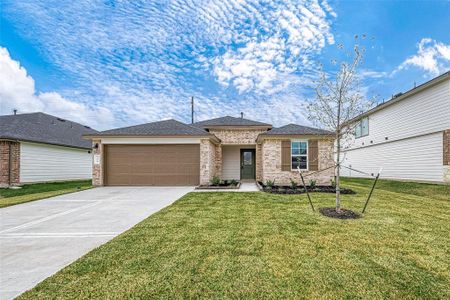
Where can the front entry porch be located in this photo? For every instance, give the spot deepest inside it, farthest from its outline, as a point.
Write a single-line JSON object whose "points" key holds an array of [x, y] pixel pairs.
{"points": [[238, 162]]}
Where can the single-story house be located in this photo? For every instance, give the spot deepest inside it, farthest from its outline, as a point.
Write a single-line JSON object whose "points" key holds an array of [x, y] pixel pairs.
{"points": [[38, 147], [408, 136], [170, 152]]}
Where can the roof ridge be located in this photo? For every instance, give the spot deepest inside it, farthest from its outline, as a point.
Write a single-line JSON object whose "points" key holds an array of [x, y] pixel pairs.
{"points": [[250, 122], [131, 126], [192, 126]]}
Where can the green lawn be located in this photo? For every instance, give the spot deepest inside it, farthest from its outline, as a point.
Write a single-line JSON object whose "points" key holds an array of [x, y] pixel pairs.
{"points": [[36, 191], [257, 245]]}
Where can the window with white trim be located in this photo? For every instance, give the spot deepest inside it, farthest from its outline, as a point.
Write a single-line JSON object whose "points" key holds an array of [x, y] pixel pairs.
{"points": [[362, 128], [299, 155]]}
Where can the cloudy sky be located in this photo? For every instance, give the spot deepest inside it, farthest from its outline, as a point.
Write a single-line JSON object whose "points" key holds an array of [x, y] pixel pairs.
{"points": [[114, 63]]}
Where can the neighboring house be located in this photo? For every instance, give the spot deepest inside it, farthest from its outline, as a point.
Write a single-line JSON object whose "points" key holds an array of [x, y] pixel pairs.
{"points": [[37, 147], [173, 153], [409, 136]]}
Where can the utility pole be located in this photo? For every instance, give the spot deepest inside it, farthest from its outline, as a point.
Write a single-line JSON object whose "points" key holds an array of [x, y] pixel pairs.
{"points": [[192, 110]]}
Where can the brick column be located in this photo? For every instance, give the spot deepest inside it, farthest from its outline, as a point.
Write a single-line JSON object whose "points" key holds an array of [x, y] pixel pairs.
{"points": [[207, 161], [446, 156], [218, 161], [97, 163], [9, 163], [446, 146], [259, 165]]}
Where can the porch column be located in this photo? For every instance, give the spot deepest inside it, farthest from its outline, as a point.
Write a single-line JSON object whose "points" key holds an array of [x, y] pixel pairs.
{"points": [[97, 163], [259, 165]]}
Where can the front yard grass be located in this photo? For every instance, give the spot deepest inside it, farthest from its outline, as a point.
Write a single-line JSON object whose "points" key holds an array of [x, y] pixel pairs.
{"points": [[259, 245], [37, 191]]}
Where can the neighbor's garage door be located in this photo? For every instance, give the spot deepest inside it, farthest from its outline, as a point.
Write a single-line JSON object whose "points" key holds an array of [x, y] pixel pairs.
{"points": [[152, 164]]}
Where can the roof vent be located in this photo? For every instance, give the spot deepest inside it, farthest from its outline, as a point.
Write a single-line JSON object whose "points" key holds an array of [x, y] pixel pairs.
{"points": [[61, 120], [242, 115], [397, 95], [87, 127]]}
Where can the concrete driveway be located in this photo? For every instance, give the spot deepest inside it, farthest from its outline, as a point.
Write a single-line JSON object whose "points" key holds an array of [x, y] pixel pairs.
{"points": [[39, 238]]}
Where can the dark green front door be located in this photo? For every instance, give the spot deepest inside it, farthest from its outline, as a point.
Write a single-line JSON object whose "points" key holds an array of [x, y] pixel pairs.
{"points": [[247, 163]]}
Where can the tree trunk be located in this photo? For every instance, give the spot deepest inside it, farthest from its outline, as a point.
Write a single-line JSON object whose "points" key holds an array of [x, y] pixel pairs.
{"points": [[338, 153], [337, 172]]}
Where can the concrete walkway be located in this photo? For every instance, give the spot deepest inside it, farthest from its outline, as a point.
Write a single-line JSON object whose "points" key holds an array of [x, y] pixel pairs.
{"points": [[39, 238]]}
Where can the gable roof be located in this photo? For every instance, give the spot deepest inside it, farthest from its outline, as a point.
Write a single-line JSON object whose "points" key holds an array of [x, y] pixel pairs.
{"points": [[161, 128], [294, 129], [43, 128], [230, 121]]}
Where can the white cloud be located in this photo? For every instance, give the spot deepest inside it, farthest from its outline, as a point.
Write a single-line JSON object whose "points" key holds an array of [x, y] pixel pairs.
{"points": [[432, 56], [294, 34], [143, 62], [17, 91]]}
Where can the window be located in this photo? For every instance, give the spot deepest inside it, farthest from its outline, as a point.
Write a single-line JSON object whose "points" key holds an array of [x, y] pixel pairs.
{"points": [[299, 155], [362, 128], [248, 160]]}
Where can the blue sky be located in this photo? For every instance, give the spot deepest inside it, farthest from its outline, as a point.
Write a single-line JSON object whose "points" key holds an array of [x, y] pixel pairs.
{"points": [[115, 63]]}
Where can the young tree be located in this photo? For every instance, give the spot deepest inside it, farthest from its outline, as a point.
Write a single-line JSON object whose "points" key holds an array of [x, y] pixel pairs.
{"points": [[338, 100]]}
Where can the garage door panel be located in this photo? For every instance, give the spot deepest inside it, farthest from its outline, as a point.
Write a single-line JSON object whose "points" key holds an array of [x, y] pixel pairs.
{"points": [[152, 164], [119, 179]]}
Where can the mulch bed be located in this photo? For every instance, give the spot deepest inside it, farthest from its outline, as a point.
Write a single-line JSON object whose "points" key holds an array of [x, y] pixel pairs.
{"points": [[221, 186], [343, 214], [300, 190]]}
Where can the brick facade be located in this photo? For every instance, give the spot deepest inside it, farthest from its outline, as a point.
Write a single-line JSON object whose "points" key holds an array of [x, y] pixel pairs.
{"points": [[267, 160], [9, 163], [259, 162], [237, 137], [446, 156], [218, 160], [97, 163], [207, 161], [271, 164], [446, 147]]}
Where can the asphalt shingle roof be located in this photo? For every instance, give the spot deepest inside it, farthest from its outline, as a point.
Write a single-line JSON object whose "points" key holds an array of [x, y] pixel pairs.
{"points": [[294, 129], [230, 121], [43, 128], [160, 128]]}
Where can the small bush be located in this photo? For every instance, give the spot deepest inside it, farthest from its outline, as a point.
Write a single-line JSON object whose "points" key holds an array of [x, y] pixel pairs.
{"points": [[294, 184], [233, 182], [267, 189], [215, 181], [270, 183], [333, 183], [312, 183]]}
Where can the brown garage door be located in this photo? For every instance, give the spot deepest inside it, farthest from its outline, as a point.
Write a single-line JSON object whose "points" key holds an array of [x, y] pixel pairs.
{"points": [[152, 164]]}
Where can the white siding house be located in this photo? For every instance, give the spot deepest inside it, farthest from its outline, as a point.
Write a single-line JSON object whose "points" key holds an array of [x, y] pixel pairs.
{"points": [[406, 136], [37, 147], [43, 162]]}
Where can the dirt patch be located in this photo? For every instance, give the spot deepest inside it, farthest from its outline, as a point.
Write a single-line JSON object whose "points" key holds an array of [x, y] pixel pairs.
{"points": [[343, 214]]}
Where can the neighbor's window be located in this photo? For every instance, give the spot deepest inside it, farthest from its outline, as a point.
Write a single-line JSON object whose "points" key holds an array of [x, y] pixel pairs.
{"points": [[299, 155], [362, 128]]}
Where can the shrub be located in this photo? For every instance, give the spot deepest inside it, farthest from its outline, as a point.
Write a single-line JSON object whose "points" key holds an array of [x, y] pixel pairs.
{"points": [[270, 183], [312, 183], [215, 180], [333, 183], [293, 184], [233, 182], [267, 189]]}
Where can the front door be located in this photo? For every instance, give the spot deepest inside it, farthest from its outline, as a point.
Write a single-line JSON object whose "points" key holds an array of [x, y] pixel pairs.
{"points": [[248, 164]]}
